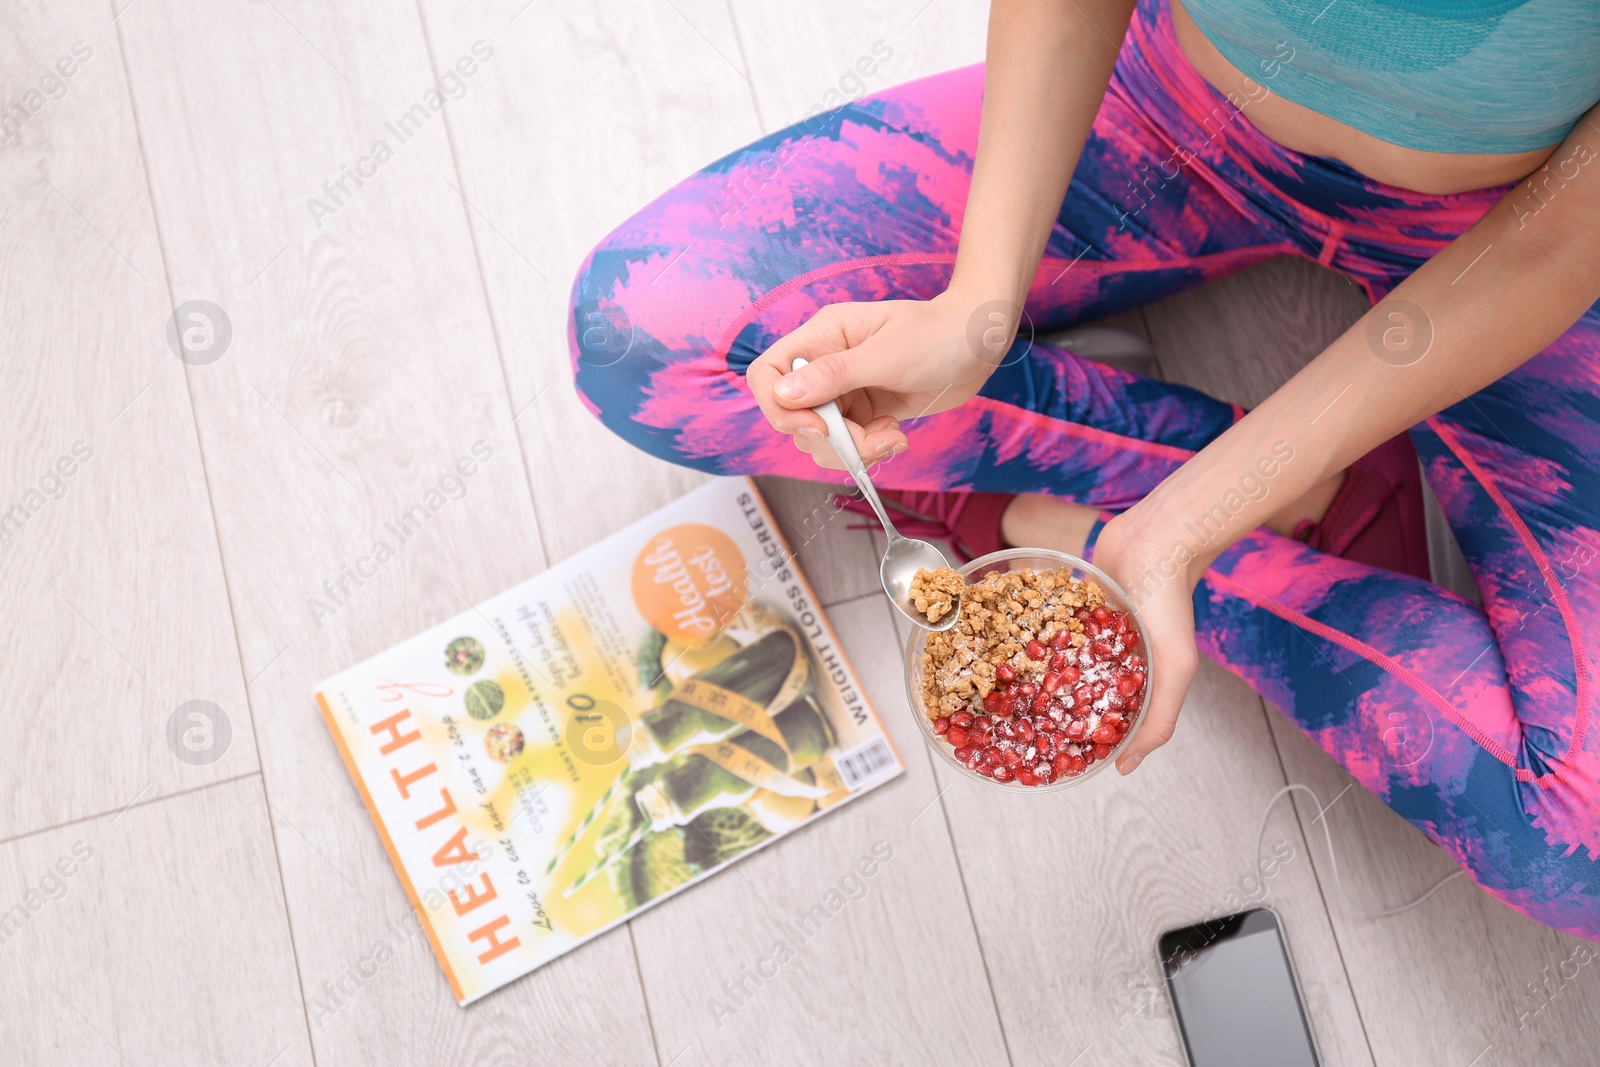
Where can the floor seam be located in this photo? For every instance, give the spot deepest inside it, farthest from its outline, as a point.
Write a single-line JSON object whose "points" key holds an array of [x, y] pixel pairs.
{"points": [[81, 819], [216, 534], [1305, 839]]}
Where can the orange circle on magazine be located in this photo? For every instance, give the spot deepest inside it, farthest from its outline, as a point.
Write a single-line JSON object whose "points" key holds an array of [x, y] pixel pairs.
{"points": [[689, 582]]}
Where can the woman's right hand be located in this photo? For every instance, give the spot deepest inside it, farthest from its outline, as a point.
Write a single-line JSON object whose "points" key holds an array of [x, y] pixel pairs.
{"points": [[883, 362]]}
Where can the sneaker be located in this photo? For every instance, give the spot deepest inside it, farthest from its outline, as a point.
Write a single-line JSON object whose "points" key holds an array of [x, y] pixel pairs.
{"points": [[969, 521]]}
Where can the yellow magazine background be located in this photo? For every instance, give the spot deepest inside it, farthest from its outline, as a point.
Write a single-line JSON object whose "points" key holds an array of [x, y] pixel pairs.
{"points": [[604, 735]]}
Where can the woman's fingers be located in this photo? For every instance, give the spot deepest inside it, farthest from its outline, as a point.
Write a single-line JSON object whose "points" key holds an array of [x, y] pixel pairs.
{"points": [[876, 441], [1174, 661], [819, 336], [833, 341], [826, 377]]}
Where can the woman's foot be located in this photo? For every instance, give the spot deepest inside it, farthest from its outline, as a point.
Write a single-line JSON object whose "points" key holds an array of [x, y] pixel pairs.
{"points": [[1376, 515], [1309, 508], [979, 523], [1045, 522], [1370, 513]]}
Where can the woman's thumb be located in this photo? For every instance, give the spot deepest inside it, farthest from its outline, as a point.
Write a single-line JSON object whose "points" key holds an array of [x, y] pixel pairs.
{"points": [[823, 379]]}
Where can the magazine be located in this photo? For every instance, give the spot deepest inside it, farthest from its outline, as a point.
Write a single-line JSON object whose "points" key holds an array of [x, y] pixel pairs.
{"points": [[605, 734]]}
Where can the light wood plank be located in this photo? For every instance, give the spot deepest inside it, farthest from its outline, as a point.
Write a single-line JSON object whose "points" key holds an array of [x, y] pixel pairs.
{"points": [[1242, 336], [116, 609], [154, 935], [553, 155], [363, 367], [892, 977], [808, 57]]}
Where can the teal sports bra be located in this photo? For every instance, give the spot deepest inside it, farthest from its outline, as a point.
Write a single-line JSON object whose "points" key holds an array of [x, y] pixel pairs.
{"points": [[1491, 76]]}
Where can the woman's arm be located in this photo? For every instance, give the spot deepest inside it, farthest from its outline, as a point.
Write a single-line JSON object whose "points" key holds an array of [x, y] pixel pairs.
{"points": [[1487, 303], [1049, 62], [1046, 70]]}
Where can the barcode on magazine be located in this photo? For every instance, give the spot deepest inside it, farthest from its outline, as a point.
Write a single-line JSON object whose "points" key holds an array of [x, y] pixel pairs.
{"points": [[864, 763]]}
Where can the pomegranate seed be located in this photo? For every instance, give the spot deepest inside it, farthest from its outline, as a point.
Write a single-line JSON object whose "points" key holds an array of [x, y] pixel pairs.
{"points": [[1058, 662], [1059, 765], [1119, 622], [956, 736], [1098, 689], [1082, 614], [1104, 735], [1083, 696], [985, 769], [1005, 673], [1051, 682], [993, 756], [980, 733], [1076, 729], [1101, 614], [1044, 746], [1028, 690], [963, 753], [1027, 777], [1061, 640], [1007, 730], [1112, 719], [1130, 639], [1010, 756], [941, 725], [991, 703], [1101, 751], [1007, 707], [1035, 650], [1128, 685], [1070, 675], [1076, 764], [1002, 773], [1101, 647], [1024, 731], [961, 718], [1091, 628]]}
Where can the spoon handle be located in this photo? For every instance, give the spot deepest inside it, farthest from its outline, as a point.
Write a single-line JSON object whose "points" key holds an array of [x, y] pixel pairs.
{"points": [[839, 437]]}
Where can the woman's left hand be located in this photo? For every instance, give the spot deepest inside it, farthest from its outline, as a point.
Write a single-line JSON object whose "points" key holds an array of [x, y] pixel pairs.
{"points": [[1134, 551]]}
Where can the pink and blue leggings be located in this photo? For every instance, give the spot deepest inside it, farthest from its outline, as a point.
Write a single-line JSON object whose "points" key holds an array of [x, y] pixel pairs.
{"points": [[1472, 723]]}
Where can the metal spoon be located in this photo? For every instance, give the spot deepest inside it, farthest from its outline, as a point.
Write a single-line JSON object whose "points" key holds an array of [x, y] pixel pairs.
{"points": [[905, 555]]}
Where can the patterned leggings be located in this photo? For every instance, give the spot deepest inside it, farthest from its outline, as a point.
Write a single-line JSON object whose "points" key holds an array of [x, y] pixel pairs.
{"points": [[1472, 724]]}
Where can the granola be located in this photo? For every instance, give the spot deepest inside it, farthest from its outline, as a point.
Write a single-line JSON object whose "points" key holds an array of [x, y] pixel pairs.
{"points": [[935, 593]]}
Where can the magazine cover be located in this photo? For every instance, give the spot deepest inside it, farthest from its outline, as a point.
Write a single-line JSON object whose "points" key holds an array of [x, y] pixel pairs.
{"points": [[605, 734]]}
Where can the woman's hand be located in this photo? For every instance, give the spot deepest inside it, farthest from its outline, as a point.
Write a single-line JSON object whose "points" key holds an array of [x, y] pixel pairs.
{"points": [[883, 362], [1134, 550]]}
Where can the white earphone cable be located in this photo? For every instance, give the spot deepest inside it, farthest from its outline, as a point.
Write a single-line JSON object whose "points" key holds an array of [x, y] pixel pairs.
{"points": [[1333, 860]]}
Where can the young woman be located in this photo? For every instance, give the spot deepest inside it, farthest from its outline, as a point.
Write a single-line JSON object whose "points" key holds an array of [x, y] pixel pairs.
{"points": [[1438, 153]]}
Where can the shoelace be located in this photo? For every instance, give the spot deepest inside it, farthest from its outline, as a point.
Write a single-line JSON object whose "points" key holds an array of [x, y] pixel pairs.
{"points": [[909, 522]]}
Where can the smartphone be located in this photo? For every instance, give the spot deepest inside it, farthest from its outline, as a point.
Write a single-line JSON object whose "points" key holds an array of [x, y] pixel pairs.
{"points": [[1234, 993]]}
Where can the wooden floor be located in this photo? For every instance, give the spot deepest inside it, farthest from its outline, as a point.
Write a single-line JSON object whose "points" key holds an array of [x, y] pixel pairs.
{"points": [[216, 901]]}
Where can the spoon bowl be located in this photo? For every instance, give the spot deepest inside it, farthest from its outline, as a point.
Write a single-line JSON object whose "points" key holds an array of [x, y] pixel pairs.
{"points": [[902, 560], [905, 556]]}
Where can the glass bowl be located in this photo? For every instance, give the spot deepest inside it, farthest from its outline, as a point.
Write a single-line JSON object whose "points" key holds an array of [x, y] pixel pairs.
{"points": [[1036, 559]]}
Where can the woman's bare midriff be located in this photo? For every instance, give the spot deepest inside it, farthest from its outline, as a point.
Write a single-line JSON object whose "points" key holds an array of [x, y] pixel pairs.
{"points": [[1302, 130]]}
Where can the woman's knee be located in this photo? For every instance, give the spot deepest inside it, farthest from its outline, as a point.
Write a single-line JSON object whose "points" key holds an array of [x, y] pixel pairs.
{"points": [[646, 358]]}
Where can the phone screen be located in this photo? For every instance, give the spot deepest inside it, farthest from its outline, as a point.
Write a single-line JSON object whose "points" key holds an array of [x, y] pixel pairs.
{"points": [[1234, 993]]}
